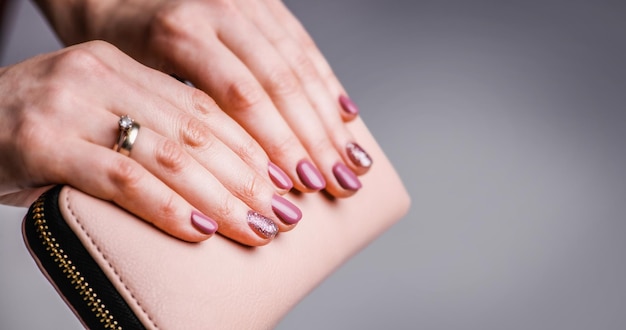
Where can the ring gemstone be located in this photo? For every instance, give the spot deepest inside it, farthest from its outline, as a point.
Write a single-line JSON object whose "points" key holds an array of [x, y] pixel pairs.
{"points": [[125, 123]]}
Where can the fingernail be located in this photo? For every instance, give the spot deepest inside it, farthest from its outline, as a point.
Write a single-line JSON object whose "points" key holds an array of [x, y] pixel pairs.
{"points": [[348, 106], [262, 226], [203, 223], [310, 176], [280, 178], [358, 156], [285, 210], [346, 178]]}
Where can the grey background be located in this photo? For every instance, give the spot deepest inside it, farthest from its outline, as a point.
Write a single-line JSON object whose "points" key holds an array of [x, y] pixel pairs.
{"points": [[506, 120]]}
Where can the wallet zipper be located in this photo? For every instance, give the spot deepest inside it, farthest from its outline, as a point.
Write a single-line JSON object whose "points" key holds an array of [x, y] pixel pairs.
{"points": [[73, 274]]}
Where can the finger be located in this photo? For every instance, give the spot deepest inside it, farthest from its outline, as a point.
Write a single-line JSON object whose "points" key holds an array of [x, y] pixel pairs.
{"points": [[298, 33], [167, 162], [125, 182], [164, 108], [206, 150], [64, 160], [284, 89], [239, 93], [229, 170], [152, 104], [300, 63], [171, 164], [145, 92]]}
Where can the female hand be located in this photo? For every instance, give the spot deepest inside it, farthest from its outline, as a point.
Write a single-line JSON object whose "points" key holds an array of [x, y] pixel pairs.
{"points": [[59, 121], [255, 59]]}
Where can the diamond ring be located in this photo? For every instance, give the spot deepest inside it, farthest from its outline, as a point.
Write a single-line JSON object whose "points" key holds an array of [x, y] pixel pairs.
{"points": [[129, 130]]}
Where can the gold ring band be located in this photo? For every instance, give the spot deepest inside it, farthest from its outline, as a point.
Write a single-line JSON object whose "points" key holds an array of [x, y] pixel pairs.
{"points": [[129, 130]]}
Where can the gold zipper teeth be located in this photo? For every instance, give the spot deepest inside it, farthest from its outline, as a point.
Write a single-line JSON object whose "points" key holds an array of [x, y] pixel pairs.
{"points": [[66, 265]]}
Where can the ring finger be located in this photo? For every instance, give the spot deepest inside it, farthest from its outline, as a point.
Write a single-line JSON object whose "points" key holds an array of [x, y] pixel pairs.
{"points": [[169, 163], [295, 55]]}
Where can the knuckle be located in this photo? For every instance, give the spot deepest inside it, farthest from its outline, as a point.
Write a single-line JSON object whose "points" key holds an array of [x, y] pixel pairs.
{"points": [[278, 37], [329, 77], [244, 94], [304, 67], [283, 83], [306, 41], [248, 151], [201, 103], [171, 157], [226, 8], [167, 210], [226, 207], [173, 21], [195, 133], [169, 20], [282, 147], [253, 187], [126, 175], [339, 133], [100, 46], [83, 60], [320, 146]]}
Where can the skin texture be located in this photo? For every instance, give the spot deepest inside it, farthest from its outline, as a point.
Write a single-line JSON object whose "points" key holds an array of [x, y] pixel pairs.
{"points": [[59, 123], [252, 56]]}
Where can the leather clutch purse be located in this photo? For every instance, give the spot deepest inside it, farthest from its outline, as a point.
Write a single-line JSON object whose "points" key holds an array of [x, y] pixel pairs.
{"points": [[116, 271]]}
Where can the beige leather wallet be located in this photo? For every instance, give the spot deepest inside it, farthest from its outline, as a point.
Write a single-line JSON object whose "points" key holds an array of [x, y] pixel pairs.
{"points": [[118, 272]]}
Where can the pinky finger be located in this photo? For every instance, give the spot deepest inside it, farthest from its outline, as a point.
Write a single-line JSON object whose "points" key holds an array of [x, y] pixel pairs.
{"points": [[120, 179]]}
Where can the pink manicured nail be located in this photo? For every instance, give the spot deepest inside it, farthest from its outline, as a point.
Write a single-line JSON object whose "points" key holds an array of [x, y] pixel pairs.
{"points": [[262, 226], [348, 106], [280, 178], [203, 223], [358, 156], [310, 176], [346, 178], [285, 210]]}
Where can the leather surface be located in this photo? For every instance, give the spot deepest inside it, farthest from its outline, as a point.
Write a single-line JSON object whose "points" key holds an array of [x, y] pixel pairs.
{"points": [[219, 284]]}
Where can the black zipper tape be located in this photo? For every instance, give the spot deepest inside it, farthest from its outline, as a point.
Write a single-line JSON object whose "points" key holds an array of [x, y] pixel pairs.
{"points": [[72, 269]]}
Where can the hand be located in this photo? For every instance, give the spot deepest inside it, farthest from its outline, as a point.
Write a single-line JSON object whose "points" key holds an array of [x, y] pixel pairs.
{"points": [[255, 59], [59, 121]]}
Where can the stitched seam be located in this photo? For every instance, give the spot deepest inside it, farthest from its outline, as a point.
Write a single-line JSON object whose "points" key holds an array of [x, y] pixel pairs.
{"points": [[69, 208]]}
